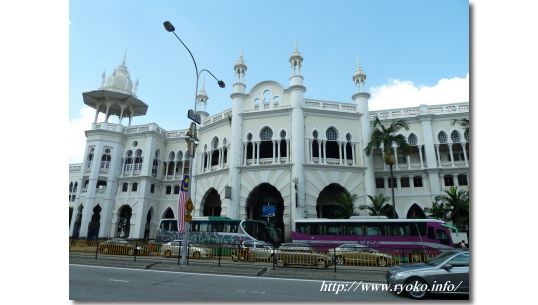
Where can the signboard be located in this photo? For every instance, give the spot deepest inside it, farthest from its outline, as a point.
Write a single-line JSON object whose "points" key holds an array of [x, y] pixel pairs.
{"points": [[188, 218], [268, 211], [189, 207]]}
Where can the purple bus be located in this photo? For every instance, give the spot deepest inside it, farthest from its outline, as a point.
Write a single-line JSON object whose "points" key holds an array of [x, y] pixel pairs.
{"points": [[407, 237]]}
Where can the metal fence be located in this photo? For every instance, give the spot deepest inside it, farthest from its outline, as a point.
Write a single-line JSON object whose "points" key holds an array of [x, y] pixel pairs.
{"points": [[219, 253]]}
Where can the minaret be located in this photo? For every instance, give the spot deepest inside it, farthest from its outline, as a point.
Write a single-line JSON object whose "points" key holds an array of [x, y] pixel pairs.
{"points": [[361, 98], [201, 102], [238, 99], [297, 91]]}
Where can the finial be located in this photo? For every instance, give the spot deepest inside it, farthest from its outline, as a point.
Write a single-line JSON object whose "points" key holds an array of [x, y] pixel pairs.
{"points": [[358, 64], [124, 57], [203, 84]]}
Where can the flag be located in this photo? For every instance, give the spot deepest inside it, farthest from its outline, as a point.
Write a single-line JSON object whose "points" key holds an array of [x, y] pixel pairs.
{"points": [[183, 197]]}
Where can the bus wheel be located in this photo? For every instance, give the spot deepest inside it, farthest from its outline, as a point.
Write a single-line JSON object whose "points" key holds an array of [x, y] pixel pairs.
{"points": [[168, 253], [382, 262], [339, 260]]}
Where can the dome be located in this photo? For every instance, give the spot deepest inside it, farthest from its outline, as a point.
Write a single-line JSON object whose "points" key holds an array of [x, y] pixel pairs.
{"points": [[120, 80]]}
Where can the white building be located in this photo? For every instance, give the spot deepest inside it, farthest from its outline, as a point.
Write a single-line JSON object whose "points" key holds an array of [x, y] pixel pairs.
{"points": [[274, 146]]}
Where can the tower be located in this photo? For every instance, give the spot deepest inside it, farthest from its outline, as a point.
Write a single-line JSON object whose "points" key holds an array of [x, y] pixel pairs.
{"points": [[201, 102], [361, 98], [238, 99], [297, 91]]}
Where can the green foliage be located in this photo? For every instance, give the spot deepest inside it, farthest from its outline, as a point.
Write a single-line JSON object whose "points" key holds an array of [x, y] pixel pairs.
{"points": [[346, 201], [384, 138], [452, 205], [377, 208]]}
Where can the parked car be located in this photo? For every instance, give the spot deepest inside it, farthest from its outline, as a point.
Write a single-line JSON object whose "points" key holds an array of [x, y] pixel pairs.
{"points": [[301, 254], [253, 250], [173, 248], [121, 246], [357, 254], [448, 270]]}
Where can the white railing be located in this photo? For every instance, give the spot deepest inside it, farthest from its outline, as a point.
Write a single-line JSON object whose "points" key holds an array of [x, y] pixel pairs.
{"points": [[415, 111], [318, 104], [75, 167], [217, 117], [105, 164], [107, 126]]}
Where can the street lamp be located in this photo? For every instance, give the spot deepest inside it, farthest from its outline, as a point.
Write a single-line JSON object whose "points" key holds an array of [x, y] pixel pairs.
{"points": [[193, 134]]}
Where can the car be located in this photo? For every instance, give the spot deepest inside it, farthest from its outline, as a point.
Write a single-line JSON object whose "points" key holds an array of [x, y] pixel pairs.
{"points": [[357, 254], [173, 248], [445, 273], [302, 255], [121, 246], [253, 250]]}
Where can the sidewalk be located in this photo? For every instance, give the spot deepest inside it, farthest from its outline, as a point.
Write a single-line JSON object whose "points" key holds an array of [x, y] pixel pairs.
{"points": [[366, 274]]}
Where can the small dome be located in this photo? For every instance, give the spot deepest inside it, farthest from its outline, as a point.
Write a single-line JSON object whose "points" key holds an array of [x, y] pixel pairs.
{"points": [[120, 80]]}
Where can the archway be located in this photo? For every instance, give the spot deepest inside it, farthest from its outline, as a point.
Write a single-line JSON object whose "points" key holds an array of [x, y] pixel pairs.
{"points": [[266, 203], [211, 203], [329, 204], [415, 212], [95, 223], [124, 221], [168, 214], [147, 227], [78, 222]]}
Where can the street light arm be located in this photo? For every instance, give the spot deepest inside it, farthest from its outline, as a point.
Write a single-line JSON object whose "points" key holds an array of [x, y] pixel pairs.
{"points": [[221, 83]]}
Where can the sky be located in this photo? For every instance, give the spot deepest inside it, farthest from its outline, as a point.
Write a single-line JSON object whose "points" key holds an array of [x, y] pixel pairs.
{"points": [[413, 52]]}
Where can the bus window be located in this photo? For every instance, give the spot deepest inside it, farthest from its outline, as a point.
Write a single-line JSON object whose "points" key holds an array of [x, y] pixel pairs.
{"points": [[431, 233], [195, 227], [333, 229], [315, 229], [373, 229], [395, 229], [353, 229], [303, 228], [442, 237], [233, 227], [216, 227], [421, 228]]}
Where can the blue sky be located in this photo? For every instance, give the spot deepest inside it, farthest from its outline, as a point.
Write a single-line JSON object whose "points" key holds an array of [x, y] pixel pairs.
{"points": [[403, 46]]}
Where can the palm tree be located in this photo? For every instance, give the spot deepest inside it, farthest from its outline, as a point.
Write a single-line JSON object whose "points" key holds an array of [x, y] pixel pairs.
{"points": [[386, 137], [438, 210], [456, 203], [377, 206], [346, 201]]}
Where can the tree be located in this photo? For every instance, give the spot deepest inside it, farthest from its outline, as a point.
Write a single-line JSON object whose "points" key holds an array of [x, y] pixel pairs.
{"points": [[464, 123], [438, 210], [456, 204], [346, 201], [385, 138], [378, 206]]}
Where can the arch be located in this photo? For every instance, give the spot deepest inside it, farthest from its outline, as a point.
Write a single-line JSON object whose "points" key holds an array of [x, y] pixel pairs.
{"points": [[168, 214], [415, 212], [412, 140], [455, 136], [331, 146], [442, 137], [78, 221], [179, 155], [148, 228], [331, 134], [124, 221], [328, 204], [211, 203], [266, 194], [95, 223], [171, 156], [266, 134], [266, 143]]}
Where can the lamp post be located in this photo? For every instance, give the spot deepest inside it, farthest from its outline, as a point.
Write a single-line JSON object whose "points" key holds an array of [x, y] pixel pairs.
{"points": [[193, 134]]}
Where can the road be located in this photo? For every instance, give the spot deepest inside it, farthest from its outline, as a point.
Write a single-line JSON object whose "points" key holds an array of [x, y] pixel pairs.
{"points": [[98, 283]]}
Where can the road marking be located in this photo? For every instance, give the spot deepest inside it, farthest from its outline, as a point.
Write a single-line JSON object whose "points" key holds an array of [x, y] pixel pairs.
{"points": [[218, 275], [124, 281], [251, 291]]}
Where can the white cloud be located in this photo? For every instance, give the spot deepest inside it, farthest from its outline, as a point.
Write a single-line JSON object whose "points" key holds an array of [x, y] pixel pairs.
{"points": [[77, 138], [402, 94]]}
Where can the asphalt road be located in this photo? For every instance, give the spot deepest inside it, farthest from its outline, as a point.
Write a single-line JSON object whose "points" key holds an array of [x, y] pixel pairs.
{"points": [[97, 283]]}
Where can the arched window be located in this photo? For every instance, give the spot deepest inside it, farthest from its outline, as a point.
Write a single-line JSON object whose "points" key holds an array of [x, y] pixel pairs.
{"points": [[332, 148], [250, 148], [315, 146], [332, 134], [128, 161], [75, 186], [179, 162], [215, 152], [172, 156], [90, 157], [266, 144], [105, 159], [283, 143], [138, 160], [455, 136], [442, 137], [412, 140], [71, 187], [466, 135], [349, 150]]}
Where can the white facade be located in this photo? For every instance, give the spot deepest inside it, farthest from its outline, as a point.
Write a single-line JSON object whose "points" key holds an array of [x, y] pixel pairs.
{"points": [[273, 146]]}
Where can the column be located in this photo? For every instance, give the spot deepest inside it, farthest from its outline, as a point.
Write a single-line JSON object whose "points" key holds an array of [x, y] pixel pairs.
{"points": [[455, 178], [96, 115], [465, 152], [274, 151], [324, 152], [320, 161], [278, 151], [288, 150], [209, 160], [412, 182], [258, 152], [398, 183], [353, 153], [340, 152], [345, 153], [438, 155], [244, 153], [451, 155]]}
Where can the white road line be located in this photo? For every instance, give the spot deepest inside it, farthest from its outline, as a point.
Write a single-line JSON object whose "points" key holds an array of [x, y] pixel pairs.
{"points": [[124, 281], [220, 275]]}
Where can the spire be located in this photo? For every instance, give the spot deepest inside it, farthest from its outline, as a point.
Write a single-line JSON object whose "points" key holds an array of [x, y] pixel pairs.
{"points": [[359, 77], [240, 68], [296, 61], [124, 62]]}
